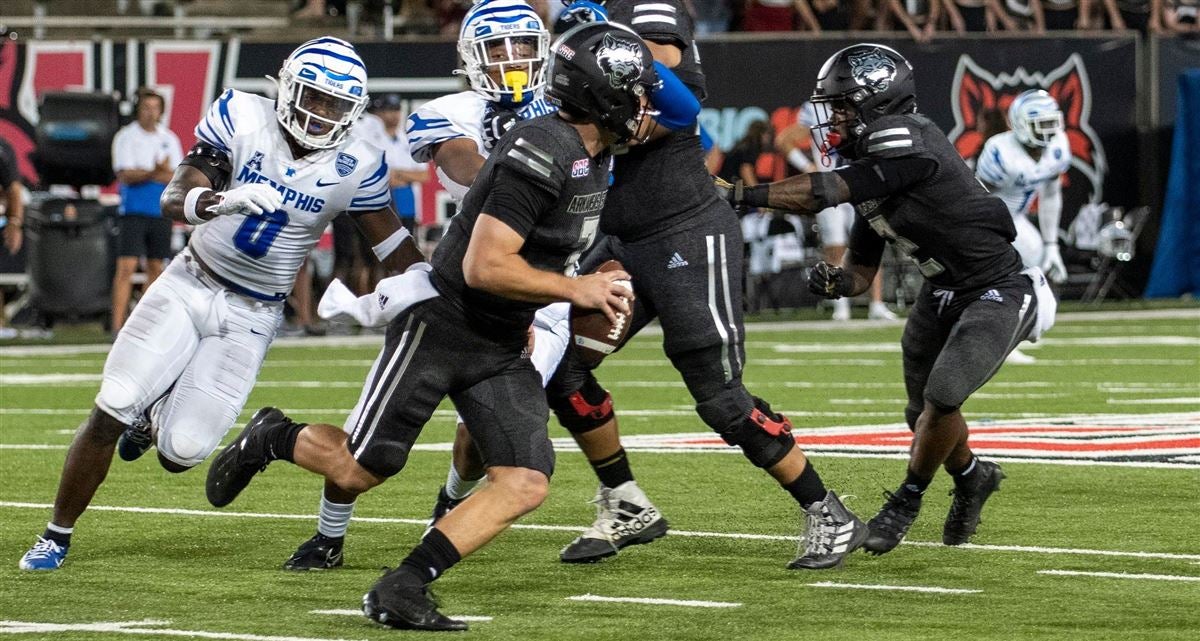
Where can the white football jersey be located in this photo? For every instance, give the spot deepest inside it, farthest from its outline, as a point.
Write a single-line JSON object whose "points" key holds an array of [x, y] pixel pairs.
{"points": [[261, 254], [1015, 176], [458, 115]]}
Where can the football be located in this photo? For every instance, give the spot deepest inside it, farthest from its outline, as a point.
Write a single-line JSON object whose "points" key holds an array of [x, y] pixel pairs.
{"points": [[594, 336]]}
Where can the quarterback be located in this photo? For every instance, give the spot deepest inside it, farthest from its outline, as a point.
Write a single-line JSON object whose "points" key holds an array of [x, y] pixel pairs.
{"points": [[260, 185]]}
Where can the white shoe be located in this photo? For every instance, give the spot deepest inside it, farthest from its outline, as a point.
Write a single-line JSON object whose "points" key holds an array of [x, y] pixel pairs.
{"points": [[1017, 357], [624, 516], [841, 309], [879, 311]]}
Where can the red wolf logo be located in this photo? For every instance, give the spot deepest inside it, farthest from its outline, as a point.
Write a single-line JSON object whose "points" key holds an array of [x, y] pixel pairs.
{"points": [[976, 91]]}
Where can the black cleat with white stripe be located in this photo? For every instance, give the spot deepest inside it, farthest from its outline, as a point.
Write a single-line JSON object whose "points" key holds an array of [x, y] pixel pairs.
{"points": [[967, 505], [318, 553], [832, 533]]}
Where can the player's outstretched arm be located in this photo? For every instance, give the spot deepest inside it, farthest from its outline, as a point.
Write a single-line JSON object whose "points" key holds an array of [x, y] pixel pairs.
{"points": [[805, 193], [395, 248]]}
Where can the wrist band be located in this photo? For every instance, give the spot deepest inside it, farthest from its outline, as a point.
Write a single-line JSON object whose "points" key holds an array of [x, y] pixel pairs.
{"points": [[389, 245], [755, 196], [189, 205]]}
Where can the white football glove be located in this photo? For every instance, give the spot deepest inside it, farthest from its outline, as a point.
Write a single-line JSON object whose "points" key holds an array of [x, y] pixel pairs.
{"points": [[248, 200], [1052, 264]]}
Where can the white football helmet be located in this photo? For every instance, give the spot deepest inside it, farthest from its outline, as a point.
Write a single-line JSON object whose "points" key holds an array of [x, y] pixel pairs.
{"points": [[322, 92], [1035, 118], [503, 45]]}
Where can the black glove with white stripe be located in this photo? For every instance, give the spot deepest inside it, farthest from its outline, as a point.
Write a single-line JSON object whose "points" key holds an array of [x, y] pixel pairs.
{"points": [[829, 281]]}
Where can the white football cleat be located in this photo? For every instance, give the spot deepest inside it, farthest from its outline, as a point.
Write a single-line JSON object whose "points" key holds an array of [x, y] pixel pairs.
{"points": [[841, 309], [1017, 357], [624, 516], [879, 311]]}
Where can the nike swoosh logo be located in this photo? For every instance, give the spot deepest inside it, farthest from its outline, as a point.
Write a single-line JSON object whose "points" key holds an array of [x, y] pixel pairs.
{"points": [[256, 332], [321, 184]]}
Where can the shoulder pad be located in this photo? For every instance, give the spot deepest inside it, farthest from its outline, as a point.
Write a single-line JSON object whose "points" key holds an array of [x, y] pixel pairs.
{"points": [[893, 137], [530, 151], [231, 112], [458, 115], [990, 165]]}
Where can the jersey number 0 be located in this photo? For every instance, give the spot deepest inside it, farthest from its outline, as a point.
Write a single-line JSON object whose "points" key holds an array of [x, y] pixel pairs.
{"points": [[256, 234]]}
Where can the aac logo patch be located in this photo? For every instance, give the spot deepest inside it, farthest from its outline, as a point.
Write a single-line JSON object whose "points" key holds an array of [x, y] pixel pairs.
{"points": [[345, 164], [580, 168]]}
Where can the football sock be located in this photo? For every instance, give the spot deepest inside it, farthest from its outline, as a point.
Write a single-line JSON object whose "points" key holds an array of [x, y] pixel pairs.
{"points": [[457, 487], [59, 534], [807, 488], [334, 518], [432, 557], [966, 475], [281, 442], [613, 470], [915, 484]]}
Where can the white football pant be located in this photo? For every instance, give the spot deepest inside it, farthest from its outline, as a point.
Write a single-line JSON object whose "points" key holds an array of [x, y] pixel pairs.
{"points": [[1029, 242], [196, 342]]}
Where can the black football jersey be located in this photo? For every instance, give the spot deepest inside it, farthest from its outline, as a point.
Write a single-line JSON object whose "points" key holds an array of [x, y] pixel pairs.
{"points": [[661, 185], [545, 157], [958, 235]]}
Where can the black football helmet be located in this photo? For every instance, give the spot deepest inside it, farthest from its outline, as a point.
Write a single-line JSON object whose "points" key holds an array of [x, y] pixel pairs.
{"points": [[857, 86], [598, 72]]}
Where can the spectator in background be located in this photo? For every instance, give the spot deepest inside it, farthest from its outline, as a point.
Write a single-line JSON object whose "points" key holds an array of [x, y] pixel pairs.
{"points": [[1027, 14], [405, 172], [978, 16], [1181, 16], [742, 162], [1062, 15], [13, 223], [711, 16], [828, 15], [144, 154], [769, 15], [918, 17]]}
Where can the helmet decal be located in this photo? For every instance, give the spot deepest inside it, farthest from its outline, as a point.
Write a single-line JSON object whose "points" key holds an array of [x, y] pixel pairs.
{"points": [[872, 69], [620, 59]]}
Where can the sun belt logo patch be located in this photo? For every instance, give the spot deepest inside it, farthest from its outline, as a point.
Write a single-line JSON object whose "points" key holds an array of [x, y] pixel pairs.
{"points": [[579, 168], [345, 164], [872, 69], [976, 91], [620, 59]]}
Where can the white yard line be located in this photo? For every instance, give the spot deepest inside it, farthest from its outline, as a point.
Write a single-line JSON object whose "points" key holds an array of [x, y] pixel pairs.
{"points": [[1122, 575], [1193, 401], [351, 613], [577, 528], [137, 627], [896, 588], [646, 601]]}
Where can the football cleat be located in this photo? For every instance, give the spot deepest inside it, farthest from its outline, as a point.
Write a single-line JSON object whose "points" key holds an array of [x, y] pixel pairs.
{"points": [[1017, 357], [46, 554], [399, 600], [879, 311], [968, 501], [318, 553], [246, 456], [443, 505], [889, 526], [624, 517], [832, 532], [134, 442]]}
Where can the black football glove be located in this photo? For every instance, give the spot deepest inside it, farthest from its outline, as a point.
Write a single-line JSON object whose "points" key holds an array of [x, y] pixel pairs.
{"points": [[496, 122], [829, 281]]}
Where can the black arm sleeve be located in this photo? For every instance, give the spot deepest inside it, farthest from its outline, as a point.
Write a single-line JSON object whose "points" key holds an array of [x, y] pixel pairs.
{"points": [[212, 162], [866, 246], [516, 200], [872, 178]]}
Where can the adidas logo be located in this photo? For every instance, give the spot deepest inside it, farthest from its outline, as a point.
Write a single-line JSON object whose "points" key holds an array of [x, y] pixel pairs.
{"points": [[383, 301], [676, 261], [992, 295]]}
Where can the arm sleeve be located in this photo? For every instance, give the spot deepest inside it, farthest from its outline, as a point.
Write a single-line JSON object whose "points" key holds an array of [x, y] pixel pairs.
{"points": [[872, 178], [866, 247], [372, 192], [217, 127], [516, 200], [677, 105]]}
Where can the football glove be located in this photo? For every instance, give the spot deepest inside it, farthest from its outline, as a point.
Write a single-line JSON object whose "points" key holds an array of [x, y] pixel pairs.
{"points": [[248, 200], [496, 123], [1052, 264], [829, 281]]}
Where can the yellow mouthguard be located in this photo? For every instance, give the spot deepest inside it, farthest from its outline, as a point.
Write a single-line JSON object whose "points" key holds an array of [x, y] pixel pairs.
{"points": [[517, 80]]}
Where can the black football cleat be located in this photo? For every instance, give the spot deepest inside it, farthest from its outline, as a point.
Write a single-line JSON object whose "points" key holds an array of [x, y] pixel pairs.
{"points": [[832, 532], [443, 505], [318, 553], [968, 501], [134, 442], [399, 600], [889, 526], [247, 455]]}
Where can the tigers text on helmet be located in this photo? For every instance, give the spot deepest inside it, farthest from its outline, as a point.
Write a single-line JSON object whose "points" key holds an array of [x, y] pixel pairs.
{"points": [[857, 86], [322, 92], [599, 71], [1035, 118], [503, 46]]}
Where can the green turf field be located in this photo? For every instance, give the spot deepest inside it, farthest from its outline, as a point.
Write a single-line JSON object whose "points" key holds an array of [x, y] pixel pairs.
{"points": [[1067, 551]]}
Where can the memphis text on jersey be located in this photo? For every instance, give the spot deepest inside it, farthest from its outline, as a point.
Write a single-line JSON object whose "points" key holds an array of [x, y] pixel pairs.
{"points": [[296, 200]]}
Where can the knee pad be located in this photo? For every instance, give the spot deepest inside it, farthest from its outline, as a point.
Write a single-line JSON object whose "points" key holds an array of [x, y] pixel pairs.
{"points": [[182, 449], [120, 400], [585, 409], [764, 436]]}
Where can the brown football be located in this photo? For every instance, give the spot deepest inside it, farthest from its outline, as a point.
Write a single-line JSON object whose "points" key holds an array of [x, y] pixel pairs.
{"points": [[591, 332]]}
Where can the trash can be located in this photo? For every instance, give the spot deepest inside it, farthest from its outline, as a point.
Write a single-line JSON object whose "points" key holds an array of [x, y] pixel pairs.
{"points": [[70, 261]]}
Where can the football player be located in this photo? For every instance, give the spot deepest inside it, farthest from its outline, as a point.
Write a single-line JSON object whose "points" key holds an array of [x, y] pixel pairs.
{"points": [[260, 185], [1026, 165], [683, 245], [914, 191], [512, 249]]}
